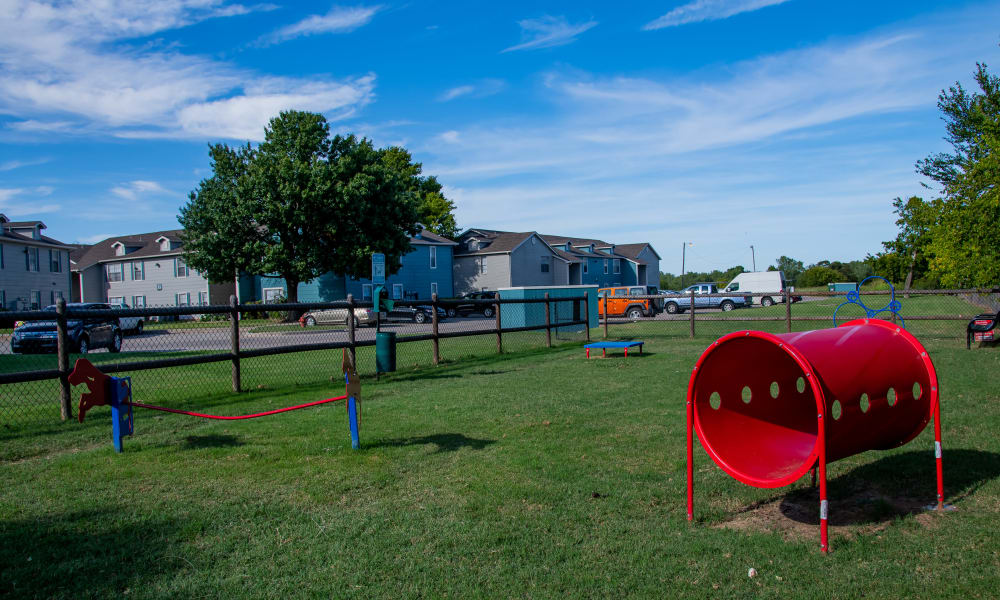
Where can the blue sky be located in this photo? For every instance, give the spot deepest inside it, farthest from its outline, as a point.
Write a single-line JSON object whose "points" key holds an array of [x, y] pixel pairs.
{"points": [[789, 125]]}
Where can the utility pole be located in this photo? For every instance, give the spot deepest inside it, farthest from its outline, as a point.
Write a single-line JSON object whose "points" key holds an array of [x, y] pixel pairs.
{"points": [[753, 257], [684, 246]]}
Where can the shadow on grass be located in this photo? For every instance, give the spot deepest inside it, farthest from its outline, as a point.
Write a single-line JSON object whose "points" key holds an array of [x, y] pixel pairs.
{"points": [[211, 441], [86, 554], [898, 485], [445, 442]]}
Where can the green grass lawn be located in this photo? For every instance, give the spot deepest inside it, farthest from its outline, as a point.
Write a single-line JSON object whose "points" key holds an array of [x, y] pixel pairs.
{"points": [[535, 474]]}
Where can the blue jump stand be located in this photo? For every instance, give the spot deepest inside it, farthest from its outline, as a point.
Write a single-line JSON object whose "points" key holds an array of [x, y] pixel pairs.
{"points": [[352, 418], [122, 423]]}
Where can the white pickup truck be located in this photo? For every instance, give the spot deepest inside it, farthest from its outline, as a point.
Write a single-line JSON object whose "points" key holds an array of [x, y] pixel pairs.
{"points": [[129, 324]]}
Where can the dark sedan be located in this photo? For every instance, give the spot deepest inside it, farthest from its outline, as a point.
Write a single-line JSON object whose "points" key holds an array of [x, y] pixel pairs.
{"points": [[415, 314], [83, 335], [465, 310]]}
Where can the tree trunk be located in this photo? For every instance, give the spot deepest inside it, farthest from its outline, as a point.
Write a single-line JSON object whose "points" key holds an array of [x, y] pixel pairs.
{"points": [[909, 274], [292, 295]]}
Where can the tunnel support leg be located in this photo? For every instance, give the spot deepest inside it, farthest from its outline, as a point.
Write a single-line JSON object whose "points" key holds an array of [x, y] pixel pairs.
{"points": [[690, 459], [937, 454]]}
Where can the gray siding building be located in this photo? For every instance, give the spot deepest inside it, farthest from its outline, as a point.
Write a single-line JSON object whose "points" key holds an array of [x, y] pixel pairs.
{"points": [[146, 269], [34, 268]]}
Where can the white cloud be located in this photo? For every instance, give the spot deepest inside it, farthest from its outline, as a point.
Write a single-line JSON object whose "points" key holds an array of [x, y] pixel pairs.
{"points": [[25, 208], [708, 10], [481, 89], [340, 19], [133, 189], [66, 69], [548, 32], [93, 239], [10, 165]]}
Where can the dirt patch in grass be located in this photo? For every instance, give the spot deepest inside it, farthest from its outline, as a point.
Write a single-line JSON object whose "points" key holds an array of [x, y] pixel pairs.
{"points": [[863, 511]]}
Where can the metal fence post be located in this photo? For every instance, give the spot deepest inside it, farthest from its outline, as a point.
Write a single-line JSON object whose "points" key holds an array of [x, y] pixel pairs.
{"points": [[65, 406], [234, 316], [692, 313], [605, 312], [350, 327], [788, 311], [434, 327], [586, 312], [548, 323], [499, 335]]}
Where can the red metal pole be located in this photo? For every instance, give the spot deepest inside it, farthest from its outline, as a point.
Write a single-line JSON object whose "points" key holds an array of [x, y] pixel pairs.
{"points": [[690, 457], [937, 452], [824, 540]]}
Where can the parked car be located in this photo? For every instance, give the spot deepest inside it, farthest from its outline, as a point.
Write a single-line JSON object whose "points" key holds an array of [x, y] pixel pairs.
{"points": [[337, 316], [625, 301], [464, 310], [771, 283], [703, 300], [416, 314], [83, 334], [129, 324]]}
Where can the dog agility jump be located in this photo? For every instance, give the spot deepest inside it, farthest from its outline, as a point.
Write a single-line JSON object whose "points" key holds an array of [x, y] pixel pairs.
{"points": [[116, 392]]}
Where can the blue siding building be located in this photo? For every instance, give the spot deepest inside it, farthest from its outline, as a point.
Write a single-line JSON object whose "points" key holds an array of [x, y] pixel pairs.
{"points": [[425, 270]]}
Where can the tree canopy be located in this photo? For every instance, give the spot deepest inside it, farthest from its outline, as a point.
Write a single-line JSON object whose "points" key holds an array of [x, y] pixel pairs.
{"points": [[303, 204], [956, 237]]}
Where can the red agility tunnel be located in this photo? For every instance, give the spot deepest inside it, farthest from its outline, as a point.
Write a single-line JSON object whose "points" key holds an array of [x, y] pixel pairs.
{"points": [[770, 408]]}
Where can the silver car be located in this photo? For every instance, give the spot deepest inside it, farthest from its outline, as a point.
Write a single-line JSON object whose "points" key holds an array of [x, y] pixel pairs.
{"points": [[337, 316]]}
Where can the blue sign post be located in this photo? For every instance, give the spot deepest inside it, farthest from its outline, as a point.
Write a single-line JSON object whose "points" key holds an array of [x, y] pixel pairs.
{"points": [[378, 268]]}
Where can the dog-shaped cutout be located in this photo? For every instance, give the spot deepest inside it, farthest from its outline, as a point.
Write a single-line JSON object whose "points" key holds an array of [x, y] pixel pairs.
{"points": [[98, 392], [352, 381]]}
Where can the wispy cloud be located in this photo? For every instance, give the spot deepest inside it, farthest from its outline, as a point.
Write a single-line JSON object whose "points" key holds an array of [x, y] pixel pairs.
{"points": [[10, 165], [340, 19], [12, 205], [67, 69], [548, 32], [133, 189], [480, 89], [708, 10], [93, 239]]}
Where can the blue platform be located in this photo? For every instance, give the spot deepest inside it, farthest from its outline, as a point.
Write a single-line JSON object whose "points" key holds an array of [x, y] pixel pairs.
{"points": [[605, 345]]}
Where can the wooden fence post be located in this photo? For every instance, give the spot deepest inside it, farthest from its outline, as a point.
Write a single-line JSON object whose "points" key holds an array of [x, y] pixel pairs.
{"points": [[788, 311], [692, 312], [234, 337], [548, 323], [586, 312], [434, 327], [62, 347], [496, 308], [350, 327]]}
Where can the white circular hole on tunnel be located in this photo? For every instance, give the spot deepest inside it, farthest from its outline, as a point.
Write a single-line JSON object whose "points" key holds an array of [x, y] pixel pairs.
{"points": [[836, 410], [864, 403], [800, 385], [917, 391], [746, 394], [890, 397], [715, 400], [775, 390]]}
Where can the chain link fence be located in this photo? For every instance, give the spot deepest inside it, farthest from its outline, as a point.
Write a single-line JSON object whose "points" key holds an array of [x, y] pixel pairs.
{"points": [[206, 353]]}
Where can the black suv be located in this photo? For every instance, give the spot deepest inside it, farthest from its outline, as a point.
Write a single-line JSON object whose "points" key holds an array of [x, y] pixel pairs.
{"points": [[83, 335], [465, 310], [417, 314]]}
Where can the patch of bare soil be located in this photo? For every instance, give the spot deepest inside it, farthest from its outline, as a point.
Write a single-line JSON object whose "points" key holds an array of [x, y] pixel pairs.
{"points": [[861, 511]]}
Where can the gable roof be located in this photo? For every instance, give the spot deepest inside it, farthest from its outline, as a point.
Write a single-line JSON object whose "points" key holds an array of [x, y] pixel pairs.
{"points": [[634, 250], [501, 242], [146, 242], [7, 233], [427, 237]]}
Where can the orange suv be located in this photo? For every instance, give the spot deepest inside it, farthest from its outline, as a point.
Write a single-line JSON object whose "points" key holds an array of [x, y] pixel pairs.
{"points": [[624, 301]]}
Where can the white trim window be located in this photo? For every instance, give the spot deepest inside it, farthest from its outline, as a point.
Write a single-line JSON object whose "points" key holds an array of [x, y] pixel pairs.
{"points": [[55, 261], [366, 291], [397, 291], [138, 301], [180, 267], [586, 267], [3, 298], [183, 299], [545, 264], [1, 257], [434, 288], [34, 300], [138, 271], [434, 256], [116, 299], [31, 259], [202, 298], [605, 266], [114, 271], [482, 265], [618, 266], [56, 295], [272, 295]]}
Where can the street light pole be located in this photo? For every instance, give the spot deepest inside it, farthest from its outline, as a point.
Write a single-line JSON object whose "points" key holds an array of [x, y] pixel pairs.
{"points": [[684, 246], [753, 257]]}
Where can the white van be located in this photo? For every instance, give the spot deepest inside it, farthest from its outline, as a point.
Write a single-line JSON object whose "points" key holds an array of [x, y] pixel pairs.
{"points": [[761, 282]]}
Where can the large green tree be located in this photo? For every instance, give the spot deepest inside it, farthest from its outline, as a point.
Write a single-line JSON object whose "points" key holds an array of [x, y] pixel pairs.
{"points": [[434, 211], [303, 203], [964, 241], [789, 266], [916, 218]]}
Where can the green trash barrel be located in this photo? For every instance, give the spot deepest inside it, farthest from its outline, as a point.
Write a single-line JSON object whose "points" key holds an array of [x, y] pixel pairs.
{"points": [[385, 351]]}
